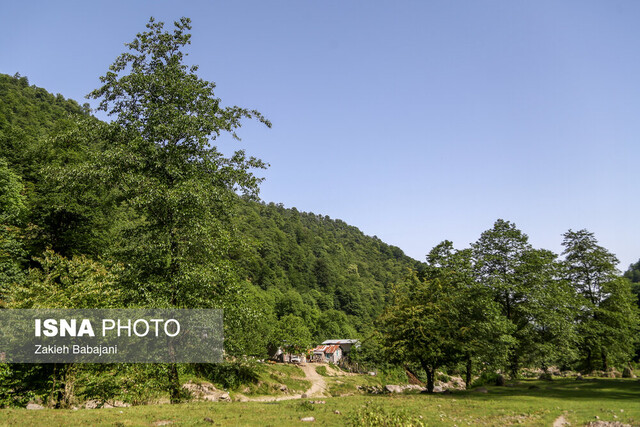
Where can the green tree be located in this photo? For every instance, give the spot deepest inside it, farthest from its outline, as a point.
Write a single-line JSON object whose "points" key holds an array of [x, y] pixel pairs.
{"points": [[12, 208], [291, 334], [526, 283], [498, 255], [608, 321], [633, 272], [420, 326], [545, 331], [178, 190], [483, 334], [179, 186]]}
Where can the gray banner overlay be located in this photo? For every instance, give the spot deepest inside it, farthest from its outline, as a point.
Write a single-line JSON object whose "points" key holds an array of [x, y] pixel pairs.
{"points": [[111, 336]]}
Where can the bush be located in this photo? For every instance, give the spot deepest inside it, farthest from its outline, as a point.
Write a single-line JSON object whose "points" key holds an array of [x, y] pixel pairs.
{"points": [[444, 378], [393, 375], [136, 384], [545, 376], [11, 393], [230, 375], [306, 406], [485, 378]]}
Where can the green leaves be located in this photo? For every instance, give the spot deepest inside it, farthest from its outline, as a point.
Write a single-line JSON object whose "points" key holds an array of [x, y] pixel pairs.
{"points": [[162, 99], [175, 188], [608, 315], [291, 334], [61, 282]]}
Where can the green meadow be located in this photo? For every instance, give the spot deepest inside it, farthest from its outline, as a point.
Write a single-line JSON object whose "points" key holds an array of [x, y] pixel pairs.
{"points": [[526, 402]]}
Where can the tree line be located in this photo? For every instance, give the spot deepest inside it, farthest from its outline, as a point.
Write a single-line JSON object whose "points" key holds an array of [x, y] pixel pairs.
{"points": [[502, 305]]}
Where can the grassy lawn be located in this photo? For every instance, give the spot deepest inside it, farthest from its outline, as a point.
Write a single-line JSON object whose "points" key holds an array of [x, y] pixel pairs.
{"points": [[528, 403]]}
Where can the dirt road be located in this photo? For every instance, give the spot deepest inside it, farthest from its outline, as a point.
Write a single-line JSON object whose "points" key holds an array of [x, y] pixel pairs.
{"points": [[318, 384], [317, 389]]}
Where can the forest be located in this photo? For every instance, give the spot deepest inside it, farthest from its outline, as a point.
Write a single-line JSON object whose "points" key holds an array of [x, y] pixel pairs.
{"points": [[145, 211]]}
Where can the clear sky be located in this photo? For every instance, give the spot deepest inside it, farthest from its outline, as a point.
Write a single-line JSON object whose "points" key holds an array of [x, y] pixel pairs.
{"points": [[416, 121]]}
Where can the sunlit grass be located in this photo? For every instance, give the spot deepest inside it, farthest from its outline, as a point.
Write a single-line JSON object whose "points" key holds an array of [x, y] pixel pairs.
{"points": [[531, 402]]}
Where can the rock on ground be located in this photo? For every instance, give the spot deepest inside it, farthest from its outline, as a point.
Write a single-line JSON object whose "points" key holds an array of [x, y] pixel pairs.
{"points": [[34, 406]]}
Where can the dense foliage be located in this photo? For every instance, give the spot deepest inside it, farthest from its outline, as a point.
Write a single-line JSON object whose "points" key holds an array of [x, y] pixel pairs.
{"points": [[506, 305]]}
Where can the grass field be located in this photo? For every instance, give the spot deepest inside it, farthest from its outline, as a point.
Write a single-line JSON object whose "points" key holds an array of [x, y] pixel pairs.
{"points": [[530, 402]]}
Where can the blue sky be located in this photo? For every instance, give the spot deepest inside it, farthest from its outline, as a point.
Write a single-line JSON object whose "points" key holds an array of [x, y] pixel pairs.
{"points": [[415, 121]]}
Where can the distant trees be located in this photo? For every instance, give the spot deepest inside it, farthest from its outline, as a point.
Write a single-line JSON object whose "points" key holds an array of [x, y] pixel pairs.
{"points": [[504, 305], [633, 272], [443, 317], [607, 313], [534, 300]]}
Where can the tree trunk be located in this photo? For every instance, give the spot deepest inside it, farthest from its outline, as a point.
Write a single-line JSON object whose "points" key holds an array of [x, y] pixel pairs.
{"points": [[467, 378], [52, 396], [431, 371], [605, 365], [589, 364], [174, 384], [515, 366], [69, 385]]}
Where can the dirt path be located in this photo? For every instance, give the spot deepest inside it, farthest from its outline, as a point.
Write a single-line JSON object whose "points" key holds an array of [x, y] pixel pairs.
{"points": [[561, 422], [318, 384], [317, 389]]}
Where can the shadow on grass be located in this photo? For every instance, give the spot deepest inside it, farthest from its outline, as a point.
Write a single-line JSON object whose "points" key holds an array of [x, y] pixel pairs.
{"points": [[588, 389]]}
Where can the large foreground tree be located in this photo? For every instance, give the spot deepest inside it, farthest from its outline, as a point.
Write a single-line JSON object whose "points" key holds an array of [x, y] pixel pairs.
{"points": [[173, 190], [176, 186]]}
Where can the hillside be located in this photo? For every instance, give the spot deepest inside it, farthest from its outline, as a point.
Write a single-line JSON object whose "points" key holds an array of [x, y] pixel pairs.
{"points": [[318, 268], [27, 115], [290, 263]]}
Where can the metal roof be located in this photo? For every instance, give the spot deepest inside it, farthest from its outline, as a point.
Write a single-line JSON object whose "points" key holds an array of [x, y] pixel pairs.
{"points": [[329, 342], [329, 349]]}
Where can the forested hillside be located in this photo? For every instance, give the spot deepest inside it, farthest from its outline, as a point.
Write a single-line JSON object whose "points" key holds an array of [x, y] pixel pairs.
{"points": [[27, 115], [319, 268], [328, 275]]}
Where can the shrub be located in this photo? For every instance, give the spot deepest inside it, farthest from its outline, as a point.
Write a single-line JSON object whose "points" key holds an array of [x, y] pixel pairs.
{"points": [[11, 393], [485, 378], [306, 406], [230, 375], [444, 378], [546, 376]]}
